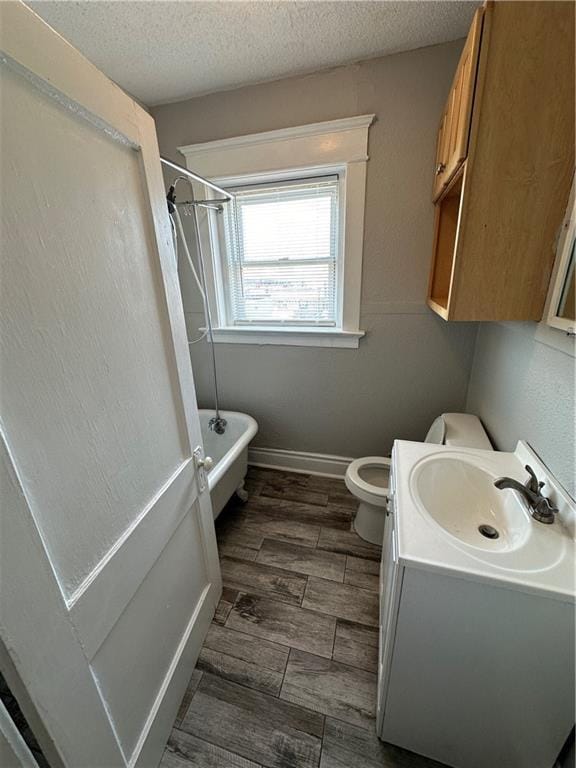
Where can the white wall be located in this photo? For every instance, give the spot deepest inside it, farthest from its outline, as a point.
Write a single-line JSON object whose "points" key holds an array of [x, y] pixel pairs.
{"points": [[411, 366], [524, 389]]}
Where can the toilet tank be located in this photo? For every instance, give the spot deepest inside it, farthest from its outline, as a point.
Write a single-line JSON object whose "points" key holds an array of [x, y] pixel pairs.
{"points": [[463, 430]]}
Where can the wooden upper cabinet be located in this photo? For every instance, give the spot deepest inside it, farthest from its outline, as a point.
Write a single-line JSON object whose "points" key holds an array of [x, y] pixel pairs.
{"points": [[506, 146], [454, 130]]}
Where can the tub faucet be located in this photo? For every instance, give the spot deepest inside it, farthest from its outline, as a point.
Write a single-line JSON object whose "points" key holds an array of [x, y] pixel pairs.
{"points": [[217, 424], [539, 506]]}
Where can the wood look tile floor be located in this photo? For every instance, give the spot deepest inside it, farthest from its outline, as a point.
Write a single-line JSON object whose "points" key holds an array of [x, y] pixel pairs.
{"points": [[287, 674]]}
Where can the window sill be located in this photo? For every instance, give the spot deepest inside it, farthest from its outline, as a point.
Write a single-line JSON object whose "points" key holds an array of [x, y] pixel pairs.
{"points": [[298, 337]]}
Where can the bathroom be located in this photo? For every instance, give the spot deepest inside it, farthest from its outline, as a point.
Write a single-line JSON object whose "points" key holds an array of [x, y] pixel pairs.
{"points": [[251, 436]]}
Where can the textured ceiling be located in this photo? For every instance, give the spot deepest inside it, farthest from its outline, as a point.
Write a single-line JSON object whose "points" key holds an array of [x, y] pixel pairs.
{"points": [[166, 51]]}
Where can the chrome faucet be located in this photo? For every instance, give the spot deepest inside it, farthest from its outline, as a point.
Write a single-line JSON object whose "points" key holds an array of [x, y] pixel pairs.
{"points": [[539, 506]]}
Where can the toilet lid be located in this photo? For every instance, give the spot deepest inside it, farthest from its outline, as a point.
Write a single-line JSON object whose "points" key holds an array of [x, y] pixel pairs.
{"points": [[370, 474]]}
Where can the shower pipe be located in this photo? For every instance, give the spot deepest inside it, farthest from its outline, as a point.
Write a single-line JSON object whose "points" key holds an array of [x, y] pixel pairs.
{"points": [[226, 196], [217, 423]]}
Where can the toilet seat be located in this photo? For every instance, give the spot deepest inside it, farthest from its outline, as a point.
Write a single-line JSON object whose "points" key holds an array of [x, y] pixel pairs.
{"points": [[458, 429], [361, 488]]}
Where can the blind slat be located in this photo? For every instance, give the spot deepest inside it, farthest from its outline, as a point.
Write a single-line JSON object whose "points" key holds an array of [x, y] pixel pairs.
{"points": [[281, 253]]}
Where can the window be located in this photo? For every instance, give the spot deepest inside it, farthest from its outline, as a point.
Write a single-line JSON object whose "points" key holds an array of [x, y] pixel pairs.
{"points": [[286, 264], [281, 254]]}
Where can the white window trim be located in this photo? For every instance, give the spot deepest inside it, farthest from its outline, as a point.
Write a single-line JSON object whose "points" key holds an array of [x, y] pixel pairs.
{"points": [[336, 146]]}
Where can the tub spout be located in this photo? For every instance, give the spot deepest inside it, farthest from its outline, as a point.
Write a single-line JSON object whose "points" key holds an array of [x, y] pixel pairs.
{"points": [[217, 424]]}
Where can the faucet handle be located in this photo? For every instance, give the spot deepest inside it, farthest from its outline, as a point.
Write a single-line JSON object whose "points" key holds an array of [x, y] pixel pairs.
{"points": [[532, 483], [544, 511]]}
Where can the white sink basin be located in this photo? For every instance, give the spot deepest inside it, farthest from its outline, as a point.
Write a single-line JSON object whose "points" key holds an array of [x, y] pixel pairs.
{"points": [[463, 500], [444, 496]]}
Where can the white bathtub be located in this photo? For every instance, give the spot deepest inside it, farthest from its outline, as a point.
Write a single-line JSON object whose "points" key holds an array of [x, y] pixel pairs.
{"points": [[229, 453]]}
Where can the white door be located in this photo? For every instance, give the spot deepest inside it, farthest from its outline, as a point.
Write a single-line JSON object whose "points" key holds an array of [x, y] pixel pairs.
{"points": [[109, 570]]}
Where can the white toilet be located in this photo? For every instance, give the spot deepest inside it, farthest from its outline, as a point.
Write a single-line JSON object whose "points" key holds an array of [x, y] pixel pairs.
{"points": [[368, 478]]}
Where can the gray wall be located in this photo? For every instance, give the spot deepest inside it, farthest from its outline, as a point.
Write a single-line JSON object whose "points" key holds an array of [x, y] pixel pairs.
{"points": [[411, 366], [524, 389]]}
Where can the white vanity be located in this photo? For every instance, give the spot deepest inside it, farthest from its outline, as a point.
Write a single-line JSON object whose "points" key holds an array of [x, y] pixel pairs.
{"points": [[476, 663]]}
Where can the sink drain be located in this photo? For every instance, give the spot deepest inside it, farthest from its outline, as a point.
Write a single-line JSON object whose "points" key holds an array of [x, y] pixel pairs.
{"points": [[488, 531]]}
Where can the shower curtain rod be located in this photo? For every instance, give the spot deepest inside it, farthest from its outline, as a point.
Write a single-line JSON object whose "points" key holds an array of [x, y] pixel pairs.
{"points": [[196, 177]]}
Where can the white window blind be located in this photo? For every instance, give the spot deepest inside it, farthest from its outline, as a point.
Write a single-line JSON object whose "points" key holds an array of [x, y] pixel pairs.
{"points": [[281, 255]]}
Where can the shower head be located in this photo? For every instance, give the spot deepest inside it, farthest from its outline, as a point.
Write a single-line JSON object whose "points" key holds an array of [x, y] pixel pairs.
{"points": [[171, 196], [188, 205], [171, 199]]}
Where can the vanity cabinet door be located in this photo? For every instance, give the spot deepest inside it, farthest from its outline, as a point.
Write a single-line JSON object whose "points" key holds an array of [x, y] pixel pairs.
{"points": [[390, 588]]}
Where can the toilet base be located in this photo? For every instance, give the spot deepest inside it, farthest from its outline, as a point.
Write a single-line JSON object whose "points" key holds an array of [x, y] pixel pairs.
{"points": [[369, 523]]}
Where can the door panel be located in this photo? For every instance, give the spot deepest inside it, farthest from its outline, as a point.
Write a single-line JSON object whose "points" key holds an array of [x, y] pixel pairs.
{"points": [[99, 416], [87, 279], [158, 614], [32, 610], [96, 607]]}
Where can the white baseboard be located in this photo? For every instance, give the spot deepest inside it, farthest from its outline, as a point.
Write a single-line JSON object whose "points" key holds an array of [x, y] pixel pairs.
{"points": [[299, 461]]}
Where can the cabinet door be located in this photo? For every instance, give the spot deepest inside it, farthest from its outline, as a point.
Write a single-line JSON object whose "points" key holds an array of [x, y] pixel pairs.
{"points": [[441, 150], [462, 98], [454, 131], [390, 587]]}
